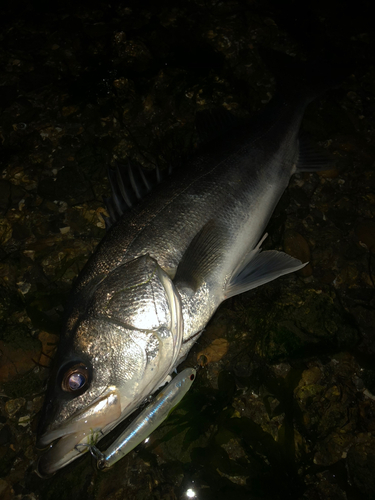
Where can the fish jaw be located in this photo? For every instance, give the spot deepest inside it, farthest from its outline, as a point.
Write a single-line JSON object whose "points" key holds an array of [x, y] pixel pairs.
{"points": [[73, 439]]}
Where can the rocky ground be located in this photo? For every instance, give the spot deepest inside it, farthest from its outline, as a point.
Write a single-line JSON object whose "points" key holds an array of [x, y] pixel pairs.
{"points": [[284, 404]]}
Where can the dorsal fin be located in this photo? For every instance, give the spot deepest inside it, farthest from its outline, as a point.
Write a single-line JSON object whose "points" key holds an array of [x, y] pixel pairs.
{"points": [[129, 184]]}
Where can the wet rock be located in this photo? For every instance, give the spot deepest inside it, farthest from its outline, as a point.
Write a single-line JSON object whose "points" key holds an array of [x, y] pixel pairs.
{"points": [[347, 277], [299, 321], [134, 52], [253, 408], [240, 480], [17, 358], [24, 421], [331, 173], [325, 490], [333, 449], [282, 369], [215, 351], [29, 383], [6, 491], [5, 231], [68, 185], [49, 343], [13, 406], [37, 404], [312, 375], [234, 449], [309, 391], [361, 466]]}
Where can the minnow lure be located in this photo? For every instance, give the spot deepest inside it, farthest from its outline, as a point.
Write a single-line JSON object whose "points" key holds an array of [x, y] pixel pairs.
{"points": [[147, 421]]}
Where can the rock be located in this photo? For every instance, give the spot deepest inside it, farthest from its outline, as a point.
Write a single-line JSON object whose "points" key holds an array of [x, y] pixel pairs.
{"points": [[13, 406], [215, 351], [16, 359], [332, 449], [6, 492], [49, 342], [361, 466], [332, 173], [309, 391], [312, 375]]}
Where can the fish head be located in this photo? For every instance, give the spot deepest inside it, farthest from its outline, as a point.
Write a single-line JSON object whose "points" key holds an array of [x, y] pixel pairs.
{"points": [[120, 342]]}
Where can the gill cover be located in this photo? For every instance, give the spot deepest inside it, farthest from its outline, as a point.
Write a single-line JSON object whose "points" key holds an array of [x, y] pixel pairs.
{"points": [[126, 330], [139, 301]]}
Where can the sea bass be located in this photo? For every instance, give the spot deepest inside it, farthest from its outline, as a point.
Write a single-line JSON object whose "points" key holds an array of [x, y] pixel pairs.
{"points": [[162, 270]]}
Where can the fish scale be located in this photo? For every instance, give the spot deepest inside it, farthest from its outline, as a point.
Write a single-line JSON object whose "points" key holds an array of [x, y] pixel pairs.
{"points": [[164, 267]]}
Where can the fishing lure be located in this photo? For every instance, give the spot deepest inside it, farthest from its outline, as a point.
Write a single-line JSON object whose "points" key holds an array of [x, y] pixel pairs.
{"points": [[147, 421]]}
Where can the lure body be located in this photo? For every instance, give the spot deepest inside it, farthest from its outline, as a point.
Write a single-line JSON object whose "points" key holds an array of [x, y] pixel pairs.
{"points": [[147, 421]]}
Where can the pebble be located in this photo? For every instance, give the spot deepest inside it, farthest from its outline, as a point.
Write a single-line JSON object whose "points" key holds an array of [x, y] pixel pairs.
{"points": [[215, 351], [6, 492], [13, 406]]}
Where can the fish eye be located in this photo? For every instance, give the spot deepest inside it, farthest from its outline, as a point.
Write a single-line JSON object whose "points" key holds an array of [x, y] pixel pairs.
{"points": [[192, 377], [75, 378]]}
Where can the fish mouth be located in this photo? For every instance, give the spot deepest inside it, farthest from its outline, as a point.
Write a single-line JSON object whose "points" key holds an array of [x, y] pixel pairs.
{"points": [[63, 451], [74, 437]]}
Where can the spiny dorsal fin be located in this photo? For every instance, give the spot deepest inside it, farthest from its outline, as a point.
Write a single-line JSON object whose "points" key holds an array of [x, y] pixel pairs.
{"points": [[129, 184]]}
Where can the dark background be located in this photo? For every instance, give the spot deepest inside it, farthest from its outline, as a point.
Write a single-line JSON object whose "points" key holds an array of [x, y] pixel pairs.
{"points": [[284, 407]]}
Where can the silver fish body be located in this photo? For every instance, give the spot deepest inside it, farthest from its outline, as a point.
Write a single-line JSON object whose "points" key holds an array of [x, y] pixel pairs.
{"points": [[160, 273]]}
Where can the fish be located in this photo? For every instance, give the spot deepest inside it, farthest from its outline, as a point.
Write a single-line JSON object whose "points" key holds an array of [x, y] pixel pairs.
{"points": [[174, 251]]}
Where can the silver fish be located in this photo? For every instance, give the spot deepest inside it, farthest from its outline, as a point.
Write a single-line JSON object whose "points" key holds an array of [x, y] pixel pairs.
{"points": [[162, 270]]}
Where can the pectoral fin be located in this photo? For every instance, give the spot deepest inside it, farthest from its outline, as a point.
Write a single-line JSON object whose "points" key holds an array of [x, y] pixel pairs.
{"points": [[259, 269], [201, 256]]}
